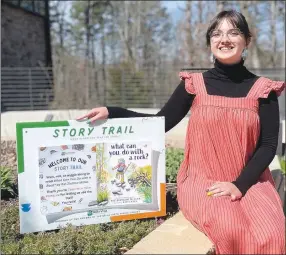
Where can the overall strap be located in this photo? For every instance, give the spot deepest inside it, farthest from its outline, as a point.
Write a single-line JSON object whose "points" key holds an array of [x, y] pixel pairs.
{"points": [[199, 84], [258, 88], [194, 83]]}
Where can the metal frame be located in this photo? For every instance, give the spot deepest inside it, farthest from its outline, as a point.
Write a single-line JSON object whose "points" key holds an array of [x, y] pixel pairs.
{"points": [[35, 88]]}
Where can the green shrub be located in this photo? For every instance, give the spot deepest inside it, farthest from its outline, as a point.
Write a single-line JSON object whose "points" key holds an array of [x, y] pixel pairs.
{"points": [[283, 165], [7, 183], [174, 158]]}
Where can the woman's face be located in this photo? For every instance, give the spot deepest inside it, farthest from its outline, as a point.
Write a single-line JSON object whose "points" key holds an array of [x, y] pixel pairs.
{"points": [[227, 43]]}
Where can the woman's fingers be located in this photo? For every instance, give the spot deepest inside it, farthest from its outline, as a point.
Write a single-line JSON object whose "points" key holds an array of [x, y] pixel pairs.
{"points": [[214, 186], [214, 191], [234, 197], [222, 193], [219, 189], [88, 115], [99, 113], [83, 117], [95, 114], [96, 117]]}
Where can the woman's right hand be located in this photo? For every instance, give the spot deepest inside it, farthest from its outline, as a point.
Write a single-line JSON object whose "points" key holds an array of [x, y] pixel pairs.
{"points": [[99, 113]]}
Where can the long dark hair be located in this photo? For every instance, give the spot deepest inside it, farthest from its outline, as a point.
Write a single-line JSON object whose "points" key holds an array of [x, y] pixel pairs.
{"points": [[235, 18]]}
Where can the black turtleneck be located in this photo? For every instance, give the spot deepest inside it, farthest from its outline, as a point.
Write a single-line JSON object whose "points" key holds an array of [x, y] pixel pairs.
{"points": [[228, 81]]}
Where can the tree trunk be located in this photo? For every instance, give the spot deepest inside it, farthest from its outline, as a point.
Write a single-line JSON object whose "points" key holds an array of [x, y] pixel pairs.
{"points": [[255, 51], [87, 29], [87, 50], [200, 9], [273, 34], [220, 5], [283, 27], [123, 30], [137, 31], [127, 50], [103, 53], [188, 33], [61, 30], [93, 72]]}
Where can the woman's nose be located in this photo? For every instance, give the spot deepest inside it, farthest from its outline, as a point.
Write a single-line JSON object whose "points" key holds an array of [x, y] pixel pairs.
{"points": [[225, 38]]}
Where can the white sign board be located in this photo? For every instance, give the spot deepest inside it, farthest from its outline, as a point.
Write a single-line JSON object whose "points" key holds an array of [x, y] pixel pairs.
{"points": [[70, 172]]}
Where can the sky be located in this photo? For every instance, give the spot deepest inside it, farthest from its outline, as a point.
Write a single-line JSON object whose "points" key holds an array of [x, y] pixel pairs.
{"points": [[171, 5], [173, 8]]}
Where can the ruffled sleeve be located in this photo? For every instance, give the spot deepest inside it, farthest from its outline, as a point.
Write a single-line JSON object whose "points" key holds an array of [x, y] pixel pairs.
{"points": [[277, 86], [187, 77]]}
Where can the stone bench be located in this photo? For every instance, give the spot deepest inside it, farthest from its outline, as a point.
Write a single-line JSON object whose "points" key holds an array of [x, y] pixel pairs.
{"points": [[175, 236]]}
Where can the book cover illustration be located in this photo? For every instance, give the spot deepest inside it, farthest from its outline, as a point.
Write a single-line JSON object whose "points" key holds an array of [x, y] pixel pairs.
{"points": [[124, 173], [84, 176]]}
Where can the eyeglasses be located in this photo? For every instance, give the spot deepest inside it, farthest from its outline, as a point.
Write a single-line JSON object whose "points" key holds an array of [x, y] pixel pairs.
{"points": [[216, 35]]}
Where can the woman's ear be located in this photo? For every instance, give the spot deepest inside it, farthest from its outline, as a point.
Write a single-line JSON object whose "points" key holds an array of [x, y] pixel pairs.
{"points": [[248, 41]]}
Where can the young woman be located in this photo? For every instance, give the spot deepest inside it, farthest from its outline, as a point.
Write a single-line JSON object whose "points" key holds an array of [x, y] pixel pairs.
{"points": [[225, 188]]}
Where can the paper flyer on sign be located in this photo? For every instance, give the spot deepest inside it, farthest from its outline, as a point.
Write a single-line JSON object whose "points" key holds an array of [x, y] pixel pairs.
{"points": [[90, 175], [66, 177]]}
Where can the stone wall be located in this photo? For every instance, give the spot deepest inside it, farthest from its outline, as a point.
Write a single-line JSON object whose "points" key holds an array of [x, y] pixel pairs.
{"points": [[23, 38]]}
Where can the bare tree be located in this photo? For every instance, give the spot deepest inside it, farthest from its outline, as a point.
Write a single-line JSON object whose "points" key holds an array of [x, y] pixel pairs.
{"points": [[87, 28], [255, 51], [122, 25], [188, 32], [281, 12], [58, 22], [220, 5], [273, 33]]}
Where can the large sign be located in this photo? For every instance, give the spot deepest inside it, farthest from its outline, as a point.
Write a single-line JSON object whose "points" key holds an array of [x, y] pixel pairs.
{"points": [[70, 172]]}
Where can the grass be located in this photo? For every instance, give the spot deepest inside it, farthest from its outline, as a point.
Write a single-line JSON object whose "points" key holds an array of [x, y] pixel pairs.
{"points": [[102, 195], [283, 164], [106, 238]]}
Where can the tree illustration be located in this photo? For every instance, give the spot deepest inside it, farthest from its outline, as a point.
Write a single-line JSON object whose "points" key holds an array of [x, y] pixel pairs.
{"points": [[142, 179], [101, 173]]}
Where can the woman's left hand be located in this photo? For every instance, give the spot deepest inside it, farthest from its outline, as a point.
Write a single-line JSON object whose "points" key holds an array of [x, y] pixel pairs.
{"points": [[219, 189]]}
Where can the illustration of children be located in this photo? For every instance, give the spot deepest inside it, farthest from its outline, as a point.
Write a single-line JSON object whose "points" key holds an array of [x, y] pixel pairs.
{"points": [[121, 167]]}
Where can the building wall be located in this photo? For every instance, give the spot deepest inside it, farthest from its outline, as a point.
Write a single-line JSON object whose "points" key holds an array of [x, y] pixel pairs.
{"points": [[23, 38]]}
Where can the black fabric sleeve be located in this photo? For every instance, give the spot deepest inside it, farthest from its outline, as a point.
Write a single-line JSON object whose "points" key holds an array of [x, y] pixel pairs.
{"points": [[267, 144], [174, 110]]}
